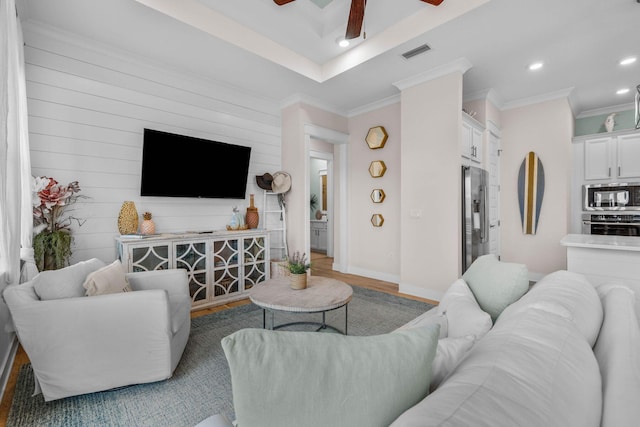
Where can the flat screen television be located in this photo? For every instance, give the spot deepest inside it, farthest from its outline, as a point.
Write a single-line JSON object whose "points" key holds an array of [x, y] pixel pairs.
{"points": [[183, 166]]}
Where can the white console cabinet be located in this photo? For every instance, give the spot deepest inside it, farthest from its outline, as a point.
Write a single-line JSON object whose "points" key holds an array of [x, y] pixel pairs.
{"points": [[222, 266]]}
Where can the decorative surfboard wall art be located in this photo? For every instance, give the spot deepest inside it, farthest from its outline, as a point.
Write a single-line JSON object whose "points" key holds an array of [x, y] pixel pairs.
{"points": [[530, 192]]}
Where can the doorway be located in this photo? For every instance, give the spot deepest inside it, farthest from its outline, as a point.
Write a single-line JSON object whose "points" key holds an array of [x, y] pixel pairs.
{"points": [[321, 217]]}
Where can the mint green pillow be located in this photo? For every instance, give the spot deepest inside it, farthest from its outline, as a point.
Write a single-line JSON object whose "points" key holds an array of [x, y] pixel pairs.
{"points": [[496, 284], [283, 378]]}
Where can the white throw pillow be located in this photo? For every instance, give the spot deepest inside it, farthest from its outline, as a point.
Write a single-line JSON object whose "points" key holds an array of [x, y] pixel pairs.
{"points": [[464, 315], [65, 282], [430, 317], [107, 280], [449, 353]]}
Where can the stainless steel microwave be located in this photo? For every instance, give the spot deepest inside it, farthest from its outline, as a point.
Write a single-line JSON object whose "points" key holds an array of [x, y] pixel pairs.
{"points": [[611, 197]]}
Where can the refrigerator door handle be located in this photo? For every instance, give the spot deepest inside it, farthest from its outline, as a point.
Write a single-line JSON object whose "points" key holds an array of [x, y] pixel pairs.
{"points": [[485, 218]]}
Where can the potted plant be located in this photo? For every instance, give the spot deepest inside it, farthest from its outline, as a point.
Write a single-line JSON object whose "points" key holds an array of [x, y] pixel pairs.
{"points": [[52, 221], [298, 266]]}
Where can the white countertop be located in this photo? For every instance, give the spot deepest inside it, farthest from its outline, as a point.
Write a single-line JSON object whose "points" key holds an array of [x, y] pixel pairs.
{"points": [[618, 243]]}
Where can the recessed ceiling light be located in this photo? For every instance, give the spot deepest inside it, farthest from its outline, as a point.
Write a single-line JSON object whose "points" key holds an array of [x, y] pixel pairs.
{"points": [[342, 42], [622, 91], [536, 66], [628, 61]]}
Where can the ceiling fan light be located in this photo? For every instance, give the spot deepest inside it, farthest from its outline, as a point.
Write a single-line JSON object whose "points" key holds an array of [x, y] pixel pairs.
{"points": [[535, 66], [342, 42], [628, 60]]}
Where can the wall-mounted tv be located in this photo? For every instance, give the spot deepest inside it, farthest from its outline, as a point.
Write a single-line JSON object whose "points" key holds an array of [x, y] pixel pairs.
{"points": [[183, 166]]}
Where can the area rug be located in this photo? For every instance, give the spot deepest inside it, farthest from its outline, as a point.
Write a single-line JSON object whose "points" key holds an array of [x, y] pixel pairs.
{"points": [[201, 384]]}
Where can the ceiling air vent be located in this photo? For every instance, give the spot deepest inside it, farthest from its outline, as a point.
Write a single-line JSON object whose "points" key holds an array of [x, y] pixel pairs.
{"points": [[417, 51]]}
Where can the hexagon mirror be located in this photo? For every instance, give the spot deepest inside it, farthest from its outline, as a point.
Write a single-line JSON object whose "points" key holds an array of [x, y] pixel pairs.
{"points": [[377, 195], [377, 220], [376, 137], [377, 168]]}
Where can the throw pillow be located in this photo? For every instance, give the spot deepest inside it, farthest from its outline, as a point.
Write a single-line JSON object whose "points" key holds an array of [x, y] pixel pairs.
{"points": [[496, 284], [432, 316], [464, 315], [282, 378], [107, 280], [449, 353], [65, 282]]}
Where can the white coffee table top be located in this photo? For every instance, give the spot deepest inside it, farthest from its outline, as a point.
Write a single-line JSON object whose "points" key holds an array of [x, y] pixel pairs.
{"points": [[321, 294]]}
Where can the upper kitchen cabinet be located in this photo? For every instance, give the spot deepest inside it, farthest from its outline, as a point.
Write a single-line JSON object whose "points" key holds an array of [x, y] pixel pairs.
{"points": [[612, 158], [471, 139]]}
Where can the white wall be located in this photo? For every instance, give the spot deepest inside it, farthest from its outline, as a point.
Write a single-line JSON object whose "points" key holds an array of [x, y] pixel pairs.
{"points": [[375, 251], [88, 106], [545, 128], [430, 237]]}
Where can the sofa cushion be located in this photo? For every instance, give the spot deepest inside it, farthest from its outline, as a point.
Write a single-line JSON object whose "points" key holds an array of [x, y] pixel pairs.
{"points": [[566, 294], [66, 282], [464, 315], [449, 353], [282, 378], [530, 370], [429, 317], [496, 284], [109, 279]]}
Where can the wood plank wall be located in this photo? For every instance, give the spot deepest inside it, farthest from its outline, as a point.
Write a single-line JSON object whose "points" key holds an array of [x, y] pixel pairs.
{"points": [[88, 105]]}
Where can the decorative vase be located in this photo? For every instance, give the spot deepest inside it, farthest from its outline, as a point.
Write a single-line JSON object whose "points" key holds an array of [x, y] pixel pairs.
{"points": [[252, 218], [298, 281], [610, 122], [147, 226], [128, 218]]}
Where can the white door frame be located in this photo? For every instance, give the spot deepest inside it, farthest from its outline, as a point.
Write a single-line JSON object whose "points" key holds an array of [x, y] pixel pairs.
{"points": [[339, 163]]}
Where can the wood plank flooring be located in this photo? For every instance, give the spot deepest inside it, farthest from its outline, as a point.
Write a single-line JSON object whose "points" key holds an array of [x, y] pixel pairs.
{"points": [[321, 265]]}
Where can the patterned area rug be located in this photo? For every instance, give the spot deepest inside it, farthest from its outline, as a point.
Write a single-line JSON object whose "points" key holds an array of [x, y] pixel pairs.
{"points": [[201, 384]]}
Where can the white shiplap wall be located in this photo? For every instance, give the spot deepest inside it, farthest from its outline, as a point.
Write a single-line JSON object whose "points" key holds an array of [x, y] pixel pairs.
{"points": [[88, 105]]}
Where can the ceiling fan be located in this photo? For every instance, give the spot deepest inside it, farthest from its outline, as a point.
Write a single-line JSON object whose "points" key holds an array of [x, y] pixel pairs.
{"points": [[356, 15]]}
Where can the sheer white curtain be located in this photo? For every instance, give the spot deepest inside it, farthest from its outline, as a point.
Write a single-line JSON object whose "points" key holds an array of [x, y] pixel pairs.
{"points": [[16, 221]]}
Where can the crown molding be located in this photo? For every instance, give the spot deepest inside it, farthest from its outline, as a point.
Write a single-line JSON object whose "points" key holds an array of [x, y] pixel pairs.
{"points": [[301, 98], [489, 95], [606, 110], [375, 105], [563, 93], [460, 65]]}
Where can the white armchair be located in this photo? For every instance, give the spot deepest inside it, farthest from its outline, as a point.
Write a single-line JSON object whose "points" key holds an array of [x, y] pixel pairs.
{"points": [[82, 344]]}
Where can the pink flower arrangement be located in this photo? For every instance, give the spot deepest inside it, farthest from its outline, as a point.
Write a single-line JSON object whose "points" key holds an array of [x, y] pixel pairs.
{"points": [[50, 200]]}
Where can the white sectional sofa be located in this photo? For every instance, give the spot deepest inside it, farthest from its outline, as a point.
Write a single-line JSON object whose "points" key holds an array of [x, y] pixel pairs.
{"points": [[565, 353]]}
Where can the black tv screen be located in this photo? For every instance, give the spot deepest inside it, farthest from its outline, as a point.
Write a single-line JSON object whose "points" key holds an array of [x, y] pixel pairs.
{"points": [[183, 166]]}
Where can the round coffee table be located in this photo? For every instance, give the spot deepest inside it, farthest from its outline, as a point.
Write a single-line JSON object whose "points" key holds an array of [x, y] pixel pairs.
{"points": [[321, 295]]}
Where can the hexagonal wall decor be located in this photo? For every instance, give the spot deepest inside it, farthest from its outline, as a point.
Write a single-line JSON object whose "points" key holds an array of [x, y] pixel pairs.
{"points": [[377, 168], [376, 137], [377, 220], [377, 195]]}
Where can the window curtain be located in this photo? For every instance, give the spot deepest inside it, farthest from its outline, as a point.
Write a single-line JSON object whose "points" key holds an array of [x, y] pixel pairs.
{"points": [[16, 226]]}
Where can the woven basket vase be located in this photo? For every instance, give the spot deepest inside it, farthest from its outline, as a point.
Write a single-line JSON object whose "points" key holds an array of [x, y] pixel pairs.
{"points": [[298, 281], [128, 218]]}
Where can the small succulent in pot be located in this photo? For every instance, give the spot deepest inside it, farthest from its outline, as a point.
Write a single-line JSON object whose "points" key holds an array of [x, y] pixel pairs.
{"points": [[298, 264]]}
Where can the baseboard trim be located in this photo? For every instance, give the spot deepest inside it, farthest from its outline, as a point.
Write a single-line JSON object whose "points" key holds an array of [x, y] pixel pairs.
{"points": [[418, 291], [374, 274], [7, 366]]}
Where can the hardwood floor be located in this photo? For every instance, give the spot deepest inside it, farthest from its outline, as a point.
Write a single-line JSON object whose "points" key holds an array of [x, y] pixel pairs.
{"points": [[320, 266]]}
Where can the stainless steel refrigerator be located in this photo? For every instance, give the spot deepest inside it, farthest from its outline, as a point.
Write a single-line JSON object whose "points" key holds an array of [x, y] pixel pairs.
{"points": [[475, 214]]}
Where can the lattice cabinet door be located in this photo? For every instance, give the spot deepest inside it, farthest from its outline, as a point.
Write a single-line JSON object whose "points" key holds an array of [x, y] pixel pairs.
{"points": [[255, 256], [192, 256], [149, 257], [226, 267]]}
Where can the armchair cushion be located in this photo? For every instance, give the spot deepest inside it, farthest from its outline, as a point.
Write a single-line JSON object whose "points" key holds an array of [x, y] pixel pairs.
{"points": [[66, 282], [107, 280]]}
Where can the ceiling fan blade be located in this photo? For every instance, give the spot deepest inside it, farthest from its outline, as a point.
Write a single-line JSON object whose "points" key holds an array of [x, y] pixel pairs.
{"points": [[282, 2], [433, 2], [356, 16]]}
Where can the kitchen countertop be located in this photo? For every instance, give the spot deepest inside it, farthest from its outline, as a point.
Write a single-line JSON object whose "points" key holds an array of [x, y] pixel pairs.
{"points": [[618, 243]]}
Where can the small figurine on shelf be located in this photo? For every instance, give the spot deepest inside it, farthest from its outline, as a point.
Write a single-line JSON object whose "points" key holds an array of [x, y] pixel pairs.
{"points": [[237, 220], [147, 226]]}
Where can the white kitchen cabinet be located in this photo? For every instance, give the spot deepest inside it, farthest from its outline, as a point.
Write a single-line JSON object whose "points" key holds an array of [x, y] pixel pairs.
{"points": [[318, 236], [221, 266], [471, 144], [612, 158]]}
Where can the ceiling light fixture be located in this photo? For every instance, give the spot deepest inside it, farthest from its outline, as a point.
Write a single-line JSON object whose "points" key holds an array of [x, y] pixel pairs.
{"points": [[342, 42], [536, 66], [622, 91], [628, 61]]}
